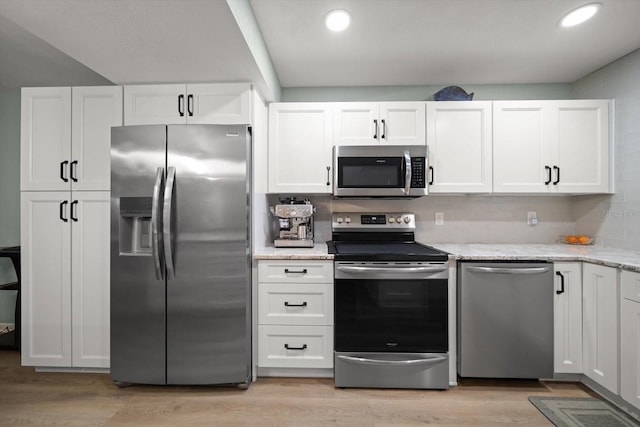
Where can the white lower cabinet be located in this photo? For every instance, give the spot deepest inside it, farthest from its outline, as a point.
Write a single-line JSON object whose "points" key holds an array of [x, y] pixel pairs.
{"points": [[630, 337], [295, 346], [295, 314], [567, 318], [600, 325], [65, 279]]}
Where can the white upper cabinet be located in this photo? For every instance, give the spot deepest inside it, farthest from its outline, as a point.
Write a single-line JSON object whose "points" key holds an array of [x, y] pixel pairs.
{"points": [[551, 146], [210, 103], [300, 148], [371, 123], [582, 150], [459, 139], [45, 139], [94, 111], [66, 137]]}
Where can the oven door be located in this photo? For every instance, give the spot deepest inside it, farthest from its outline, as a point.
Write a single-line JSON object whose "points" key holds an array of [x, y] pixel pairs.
{"points": [[397, 307]]}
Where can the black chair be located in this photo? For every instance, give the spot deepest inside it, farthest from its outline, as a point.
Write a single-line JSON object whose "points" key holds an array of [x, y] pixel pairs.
{"points": [[12, 252]]}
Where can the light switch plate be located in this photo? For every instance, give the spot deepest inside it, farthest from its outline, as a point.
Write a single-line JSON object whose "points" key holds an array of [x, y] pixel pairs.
{"points": [[439, 218], [532, 218]]}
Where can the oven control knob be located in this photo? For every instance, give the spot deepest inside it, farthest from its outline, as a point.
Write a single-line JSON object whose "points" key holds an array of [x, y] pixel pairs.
{"points": [[347, 220], [407, 219], [398, 219], [339, 220], [391, 220]]}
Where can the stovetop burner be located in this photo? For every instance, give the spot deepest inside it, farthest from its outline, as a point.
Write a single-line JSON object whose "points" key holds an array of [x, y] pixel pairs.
{"points": [[383, 251], [378, 237]]}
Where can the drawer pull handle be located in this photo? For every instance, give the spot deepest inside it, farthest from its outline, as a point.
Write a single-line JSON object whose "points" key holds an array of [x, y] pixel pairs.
{"points": [[303, 271], [287, 304], [288, 347]]}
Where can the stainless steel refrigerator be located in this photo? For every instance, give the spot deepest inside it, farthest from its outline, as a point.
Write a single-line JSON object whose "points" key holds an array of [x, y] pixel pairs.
{"points": [[180, 254]]}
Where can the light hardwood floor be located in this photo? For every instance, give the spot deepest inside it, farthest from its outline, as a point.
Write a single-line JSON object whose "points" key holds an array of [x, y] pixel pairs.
{"points": [[52, 399]]}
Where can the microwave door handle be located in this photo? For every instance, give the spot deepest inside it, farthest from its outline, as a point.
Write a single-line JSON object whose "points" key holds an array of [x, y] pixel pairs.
{"points": [[407, 172]]}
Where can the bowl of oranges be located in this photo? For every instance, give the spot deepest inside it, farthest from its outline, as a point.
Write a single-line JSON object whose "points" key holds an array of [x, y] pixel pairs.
{"points": [[578, 240]]}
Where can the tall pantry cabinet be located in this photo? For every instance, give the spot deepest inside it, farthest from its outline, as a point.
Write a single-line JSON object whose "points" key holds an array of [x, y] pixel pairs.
{"points": [[65, 181]]}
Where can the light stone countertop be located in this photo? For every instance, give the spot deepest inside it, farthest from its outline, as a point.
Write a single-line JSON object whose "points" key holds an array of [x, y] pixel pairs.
{"points": [[318, 251], [612, 257]]}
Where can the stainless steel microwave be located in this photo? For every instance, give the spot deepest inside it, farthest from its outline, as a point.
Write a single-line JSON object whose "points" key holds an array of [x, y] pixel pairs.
{"points": [[379, 171]]}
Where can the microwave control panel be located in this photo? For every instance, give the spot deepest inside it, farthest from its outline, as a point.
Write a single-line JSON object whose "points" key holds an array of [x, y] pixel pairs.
{"points": [[418, 172]]}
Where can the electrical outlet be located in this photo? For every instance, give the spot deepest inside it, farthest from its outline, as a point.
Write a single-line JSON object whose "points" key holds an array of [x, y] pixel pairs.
{"points": [[532, 219], [439, 218]]}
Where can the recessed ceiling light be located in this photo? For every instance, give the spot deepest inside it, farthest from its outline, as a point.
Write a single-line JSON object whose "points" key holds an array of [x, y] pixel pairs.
{"points": [[580, 15], [337, 20]]}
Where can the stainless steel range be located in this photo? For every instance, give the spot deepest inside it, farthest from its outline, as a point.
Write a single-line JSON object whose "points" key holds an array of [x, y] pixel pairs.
{"points": [[391, 305]]}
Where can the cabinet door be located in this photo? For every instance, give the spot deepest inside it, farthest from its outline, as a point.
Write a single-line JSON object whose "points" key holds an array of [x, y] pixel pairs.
{"points": [[600, 325], [356, 123], [459, 141], [45, 139], [582, 151], [567, 318], [630, 337], [95, 111], [90, 238], [521, 147], [300, 136], [45, 235], [155, 104], [219, 103], [402, 123]]}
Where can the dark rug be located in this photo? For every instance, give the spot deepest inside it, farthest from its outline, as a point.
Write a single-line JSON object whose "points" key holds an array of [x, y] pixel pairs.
{"points": [[581, 412]]}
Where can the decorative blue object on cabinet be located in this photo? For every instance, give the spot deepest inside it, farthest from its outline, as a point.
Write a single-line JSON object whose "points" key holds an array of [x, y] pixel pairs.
{"points": [[452, 93]]}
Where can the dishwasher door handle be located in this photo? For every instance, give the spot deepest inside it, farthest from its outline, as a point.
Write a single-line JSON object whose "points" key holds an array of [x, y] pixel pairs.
{"points": [[381, 362], [508, 270]]}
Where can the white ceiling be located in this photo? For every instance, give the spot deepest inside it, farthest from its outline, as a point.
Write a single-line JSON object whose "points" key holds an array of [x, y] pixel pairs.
{"points": [[390, 42], [419, 42]]}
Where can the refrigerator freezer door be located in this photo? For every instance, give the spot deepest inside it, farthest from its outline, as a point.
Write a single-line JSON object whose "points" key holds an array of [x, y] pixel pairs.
{"points": [[208, 304], [137, 296]]}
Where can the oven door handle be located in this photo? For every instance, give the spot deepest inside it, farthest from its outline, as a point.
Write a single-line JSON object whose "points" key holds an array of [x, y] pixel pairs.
{"points": [[357, 269], [432, 360]]}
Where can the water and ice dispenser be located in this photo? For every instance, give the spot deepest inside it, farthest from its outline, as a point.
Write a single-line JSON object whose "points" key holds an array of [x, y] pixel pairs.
{"points": [[135, 226]]}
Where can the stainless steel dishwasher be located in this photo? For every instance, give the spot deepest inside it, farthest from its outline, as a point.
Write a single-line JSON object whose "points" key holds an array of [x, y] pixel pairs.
{"points": [[505, 319]]}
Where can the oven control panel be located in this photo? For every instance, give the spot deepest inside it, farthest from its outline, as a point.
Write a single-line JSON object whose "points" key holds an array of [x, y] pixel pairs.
{"points": [[391, 221]]}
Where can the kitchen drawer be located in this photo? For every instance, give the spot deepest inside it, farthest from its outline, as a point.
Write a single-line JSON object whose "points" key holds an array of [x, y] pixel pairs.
{"points": [[630, 285], [295, 271], [309, 346], [295, 304]]}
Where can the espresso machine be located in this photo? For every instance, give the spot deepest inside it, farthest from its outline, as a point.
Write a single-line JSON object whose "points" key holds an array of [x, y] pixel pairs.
{"points": [[294, 223]]}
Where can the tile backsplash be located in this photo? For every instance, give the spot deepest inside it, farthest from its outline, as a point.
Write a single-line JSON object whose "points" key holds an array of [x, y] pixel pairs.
{"points": [[615, 220], [467, 218]]}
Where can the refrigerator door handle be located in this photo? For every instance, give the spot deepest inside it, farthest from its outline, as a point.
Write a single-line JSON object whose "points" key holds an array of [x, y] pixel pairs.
{"points": [[167, 216], [156, 224]]}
